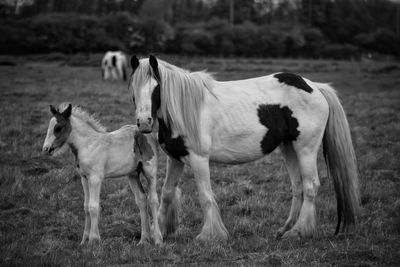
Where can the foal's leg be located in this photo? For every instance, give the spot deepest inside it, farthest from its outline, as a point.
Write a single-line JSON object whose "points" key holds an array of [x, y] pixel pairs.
{"points": [[292, 165], [306, 223], [150, 172], [94, 182], [140, 197], [86, 208], [213, 228], [170, 197]]}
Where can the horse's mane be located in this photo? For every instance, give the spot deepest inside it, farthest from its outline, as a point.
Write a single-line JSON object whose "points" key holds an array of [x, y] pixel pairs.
{"points": [[182, 94], [82, 114]]}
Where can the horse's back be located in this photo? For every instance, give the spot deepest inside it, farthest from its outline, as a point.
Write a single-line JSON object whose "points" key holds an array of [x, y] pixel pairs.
{"points": [[259, 114]]}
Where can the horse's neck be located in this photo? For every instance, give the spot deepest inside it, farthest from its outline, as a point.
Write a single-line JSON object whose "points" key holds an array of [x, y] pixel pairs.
{"points": [[82, 135]]}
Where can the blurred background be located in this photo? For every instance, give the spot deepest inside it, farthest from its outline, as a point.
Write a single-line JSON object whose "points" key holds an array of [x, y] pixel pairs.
{"points": [[51, 52], [331, 29]]}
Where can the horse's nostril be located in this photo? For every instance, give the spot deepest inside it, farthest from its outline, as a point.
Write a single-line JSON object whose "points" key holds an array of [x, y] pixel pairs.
{"points": [[149, 120]]}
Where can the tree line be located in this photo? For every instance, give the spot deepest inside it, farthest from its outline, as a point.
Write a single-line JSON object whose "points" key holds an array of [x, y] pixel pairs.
{"points": [[267, 28]]}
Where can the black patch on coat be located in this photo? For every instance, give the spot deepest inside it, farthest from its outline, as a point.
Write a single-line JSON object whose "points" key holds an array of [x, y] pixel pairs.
{"points": [[63, 127], [136, 176], [281, 125], [155, 101], [293, 80], [114, 61], [174, 147], [74, 151]]}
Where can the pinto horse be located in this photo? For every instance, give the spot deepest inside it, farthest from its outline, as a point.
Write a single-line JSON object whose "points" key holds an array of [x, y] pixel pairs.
{"points": [[100, 154], [200, 120], [114, 66]]}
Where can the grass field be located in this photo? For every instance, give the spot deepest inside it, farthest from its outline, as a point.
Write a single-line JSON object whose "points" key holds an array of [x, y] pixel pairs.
{"points": [[41, 200]]}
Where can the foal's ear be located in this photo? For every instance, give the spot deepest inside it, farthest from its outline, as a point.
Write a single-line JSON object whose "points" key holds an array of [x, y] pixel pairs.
{"points": [[54, 111], [154, 66], [134, 63], [67, 112]]}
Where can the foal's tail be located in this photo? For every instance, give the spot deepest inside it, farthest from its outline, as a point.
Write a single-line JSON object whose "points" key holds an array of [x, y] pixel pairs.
{"points": [[341, 159]]}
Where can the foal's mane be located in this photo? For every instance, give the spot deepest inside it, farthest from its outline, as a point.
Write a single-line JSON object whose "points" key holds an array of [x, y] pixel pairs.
{"points": [[182, 94], [82, 114]]}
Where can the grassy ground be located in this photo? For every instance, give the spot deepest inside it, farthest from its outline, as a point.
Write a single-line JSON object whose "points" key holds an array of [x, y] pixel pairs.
{"points": [[41, 200]]}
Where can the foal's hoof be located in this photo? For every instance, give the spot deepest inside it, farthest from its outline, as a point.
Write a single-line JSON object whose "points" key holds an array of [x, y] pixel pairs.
{"points": [[207, 238], [158, 241], [94, 242], [280, 233]]}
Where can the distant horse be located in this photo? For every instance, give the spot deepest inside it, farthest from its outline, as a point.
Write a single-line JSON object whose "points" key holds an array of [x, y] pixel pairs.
{"points": [[114, 66], [100, 154], [200, 119]]}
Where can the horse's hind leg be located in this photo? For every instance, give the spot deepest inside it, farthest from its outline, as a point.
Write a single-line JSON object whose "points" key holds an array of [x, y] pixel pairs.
{"points": [[213, 228], [140, 198], [306, 223], [292, 165]]}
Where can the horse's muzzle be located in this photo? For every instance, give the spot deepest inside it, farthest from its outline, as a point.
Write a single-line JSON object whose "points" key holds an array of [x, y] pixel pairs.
{"points": [[145, 125]]}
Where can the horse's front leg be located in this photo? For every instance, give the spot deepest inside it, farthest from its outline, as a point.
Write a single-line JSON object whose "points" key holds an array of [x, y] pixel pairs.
{"points": [[85, 186], [213, 228], [94, 182], [170, 197], [140, 198]]}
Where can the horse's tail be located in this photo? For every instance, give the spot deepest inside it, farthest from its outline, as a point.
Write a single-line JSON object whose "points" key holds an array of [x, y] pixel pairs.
{"points": [[341, 159]]}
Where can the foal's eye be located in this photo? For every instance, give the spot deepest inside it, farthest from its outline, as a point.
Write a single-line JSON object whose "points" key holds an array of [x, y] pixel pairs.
{"points": [[57, 129]]}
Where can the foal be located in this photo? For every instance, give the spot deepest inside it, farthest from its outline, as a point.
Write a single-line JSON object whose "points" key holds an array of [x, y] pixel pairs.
{"points": [[100, 154]]}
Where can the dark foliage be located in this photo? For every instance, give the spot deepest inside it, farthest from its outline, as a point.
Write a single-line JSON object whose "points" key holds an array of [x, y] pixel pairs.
{"points": [[339, 29]]}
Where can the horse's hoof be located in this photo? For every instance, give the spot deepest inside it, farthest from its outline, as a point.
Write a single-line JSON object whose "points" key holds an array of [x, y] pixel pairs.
{"points": [[161, 224], [291, 234], [143, 243]]}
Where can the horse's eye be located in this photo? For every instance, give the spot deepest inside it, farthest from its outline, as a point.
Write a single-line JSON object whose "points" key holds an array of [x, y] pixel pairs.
{"points": [[57, 129]]}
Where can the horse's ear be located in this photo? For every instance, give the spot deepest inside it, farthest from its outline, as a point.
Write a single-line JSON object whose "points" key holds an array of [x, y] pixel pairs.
{"points": [[54, 111], [134, 63], [154, 66], [67, 112]]}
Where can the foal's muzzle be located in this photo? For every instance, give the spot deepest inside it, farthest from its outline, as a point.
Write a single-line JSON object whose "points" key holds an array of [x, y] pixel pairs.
{"points": [[48, 150]]}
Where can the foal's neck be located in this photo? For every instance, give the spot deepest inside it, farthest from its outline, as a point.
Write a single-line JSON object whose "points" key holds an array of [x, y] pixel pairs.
{"points": [[82, 135]]}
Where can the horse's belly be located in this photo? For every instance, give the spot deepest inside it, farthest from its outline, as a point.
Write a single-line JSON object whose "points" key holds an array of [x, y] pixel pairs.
{"points": [[235, 149]]}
